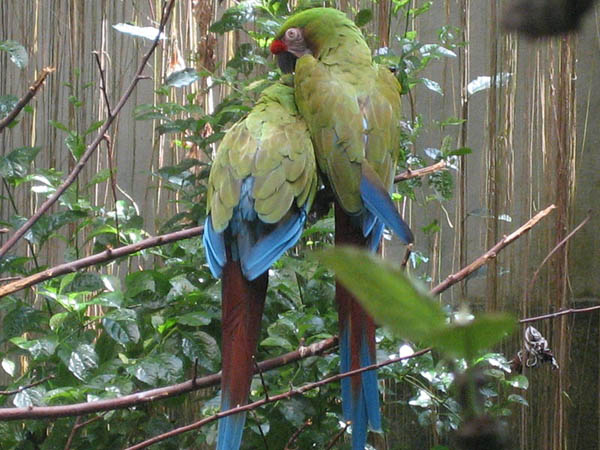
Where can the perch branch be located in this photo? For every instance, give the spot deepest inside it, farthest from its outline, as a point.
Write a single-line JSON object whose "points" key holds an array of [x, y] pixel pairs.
{"points": [[93, 145], [29, 386], [127, 401], [491, 253], [33, 89], [440, 165], [275, 398], [560, 313], [77, 426], [98, 258], [109, 255]]}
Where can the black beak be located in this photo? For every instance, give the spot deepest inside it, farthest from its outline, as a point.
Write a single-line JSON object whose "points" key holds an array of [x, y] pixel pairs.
{"points": [[286, 62]]}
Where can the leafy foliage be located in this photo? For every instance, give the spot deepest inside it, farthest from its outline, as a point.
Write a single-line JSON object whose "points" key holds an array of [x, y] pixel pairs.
{"points": [[96, 336]]}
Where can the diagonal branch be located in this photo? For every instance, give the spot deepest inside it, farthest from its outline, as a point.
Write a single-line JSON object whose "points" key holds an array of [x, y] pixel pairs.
{"points": [[98, 258], [492, 252], [94, 144], [33, 89], [275, 398], [139, 398], [417, 173]]}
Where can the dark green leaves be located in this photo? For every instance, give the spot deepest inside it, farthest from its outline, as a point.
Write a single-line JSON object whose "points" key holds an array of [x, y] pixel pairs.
{"points": [[233, 18], [397, 302], [16, 164]]}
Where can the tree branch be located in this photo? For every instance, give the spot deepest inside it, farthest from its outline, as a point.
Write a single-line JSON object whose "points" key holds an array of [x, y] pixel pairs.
{"points": [[98, 258], [127, 401], [440, 165], [275, 398], [28, 386], [33, 89], [491, 253], [94, 144]]}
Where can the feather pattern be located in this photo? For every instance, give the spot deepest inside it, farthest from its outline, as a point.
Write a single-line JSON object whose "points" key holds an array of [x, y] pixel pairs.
{"points": [[260, 188], [353, 111]]}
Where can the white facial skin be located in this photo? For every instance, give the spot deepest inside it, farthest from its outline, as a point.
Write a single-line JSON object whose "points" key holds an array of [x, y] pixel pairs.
{"points": [[294, 40]]}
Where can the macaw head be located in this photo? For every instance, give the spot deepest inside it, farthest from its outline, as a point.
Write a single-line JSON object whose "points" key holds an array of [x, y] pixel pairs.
{"points": [[309, 32]]}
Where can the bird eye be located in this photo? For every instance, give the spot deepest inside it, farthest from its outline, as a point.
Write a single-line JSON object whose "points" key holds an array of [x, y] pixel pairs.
{"points": [[292, 34]]}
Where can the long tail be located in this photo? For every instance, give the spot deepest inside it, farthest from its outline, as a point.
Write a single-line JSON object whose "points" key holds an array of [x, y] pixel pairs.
{"points": [[243, 303], [360, 394]]}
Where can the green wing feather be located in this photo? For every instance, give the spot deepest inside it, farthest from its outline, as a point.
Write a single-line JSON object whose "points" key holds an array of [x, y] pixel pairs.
{"points": [[364, 127], [272, 144]]}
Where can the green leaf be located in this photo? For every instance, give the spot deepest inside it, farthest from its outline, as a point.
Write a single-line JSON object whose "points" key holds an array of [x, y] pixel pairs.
{"points": [[59, 125], [17, 53], [15, 164], [93, 127], [516, 398], [277, 341], [386, 293], [46, 225], [38, 348], [82, 361], [182, 78], [153, 369], [9, 366], [194, 319], [203, 347], [84, 282], [30, 397], [432, 85], [233, 18], [363, 17], [466, 341], [519, 381], [121, 325]]}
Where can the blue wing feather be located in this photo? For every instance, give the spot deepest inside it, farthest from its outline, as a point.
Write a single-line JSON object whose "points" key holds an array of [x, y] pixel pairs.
{"points": [[214, 243], [378, 202]]}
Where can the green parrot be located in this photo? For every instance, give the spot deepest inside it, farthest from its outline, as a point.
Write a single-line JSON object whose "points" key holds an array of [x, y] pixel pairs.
{"points": [[353, 111], [260, 188]]}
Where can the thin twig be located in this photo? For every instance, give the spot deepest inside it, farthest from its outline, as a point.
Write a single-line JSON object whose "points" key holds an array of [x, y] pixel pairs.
{"points": [[33, 89], [337, 437], [294, 437], [28, 386], [262, 380], [560, 313], [102, 83], [93, 145], [264, 438], [113, 183], [552, 252], [491, 253], [98, 258], [77, 426], [291, 393], [127, 401], [417, 173]]}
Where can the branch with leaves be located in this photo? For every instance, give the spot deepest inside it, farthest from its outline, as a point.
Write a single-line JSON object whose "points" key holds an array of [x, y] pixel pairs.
{"points": [[33, 89], [168, 7], [274, 398], [112, 254]]}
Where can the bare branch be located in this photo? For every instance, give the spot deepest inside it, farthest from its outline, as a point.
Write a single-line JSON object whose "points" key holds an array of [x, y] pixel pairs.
{"points": [[127, 401], [491, 253], [93, 145], [102, 83], [417, 173], [33, 89], [560, 313], [275, 398], [98, 258], [77, 426], [297, 433], [29, 386]]}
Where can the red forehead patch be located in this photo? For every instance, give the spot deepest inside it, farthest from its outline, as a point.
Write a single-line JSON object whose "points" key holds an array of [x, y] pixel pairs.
{"points": [[278, 46]]}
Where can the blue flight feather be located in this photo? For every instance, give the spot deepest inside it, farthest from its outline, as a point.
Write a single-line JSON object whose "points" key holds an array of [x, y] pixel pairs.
{"points": [[231, 428], [271, 246], [378, 202], [370, 390], [214, 245]]}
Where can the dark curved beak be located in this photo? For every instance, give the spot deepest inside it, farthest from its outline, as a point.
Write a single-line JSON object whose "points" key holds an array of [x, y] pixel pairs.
{"points": [[286, 62]]}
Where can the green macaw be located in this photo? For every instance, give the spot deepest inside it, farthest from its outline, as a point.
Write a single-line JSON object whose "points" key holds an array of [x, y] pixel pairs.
{"points": [[261, 185], [353, 110]]}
